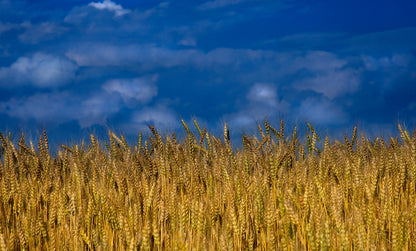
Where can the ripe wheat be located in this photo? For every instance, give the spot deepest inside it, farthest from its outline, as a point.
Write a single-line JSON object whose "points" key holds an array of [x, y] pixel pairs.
{"points": [[275, 193]]}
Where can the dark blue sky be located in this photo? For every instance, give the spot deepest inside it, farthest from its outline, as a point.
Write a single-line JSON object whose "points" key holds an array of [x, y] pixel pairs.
{"points": [[75, 67]]}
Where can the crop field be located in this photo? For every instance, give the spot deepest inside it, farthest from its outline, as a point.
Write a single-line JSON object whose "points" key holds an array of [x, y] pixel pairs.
{"points": [[278, 191]]}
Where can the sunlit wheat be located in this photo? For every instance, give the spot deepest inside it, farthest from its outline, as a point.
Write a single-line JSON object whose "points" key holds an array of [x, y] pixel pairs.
{"points": [[277, 192]]}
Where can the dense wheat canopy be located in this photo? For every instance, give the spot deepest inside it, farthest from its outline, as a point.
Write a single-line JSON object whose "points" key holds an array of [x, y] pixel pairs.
{"points": [[276, 192]]}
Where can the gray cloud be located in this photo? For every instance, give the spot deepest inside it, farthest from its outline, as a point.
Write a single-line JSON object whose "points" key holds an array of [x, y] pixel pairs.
{"points": [[40, 70]]}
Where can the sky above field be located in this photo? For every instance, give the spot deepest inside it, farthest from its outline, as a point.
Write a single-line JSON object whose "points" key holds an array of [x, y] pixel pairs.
{"points": [[85, 66]]}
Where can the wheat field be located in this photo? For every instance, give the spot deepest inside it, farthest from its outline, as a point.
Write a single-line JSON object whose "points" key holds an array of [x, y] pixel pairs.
{"points": [[277, 192]]}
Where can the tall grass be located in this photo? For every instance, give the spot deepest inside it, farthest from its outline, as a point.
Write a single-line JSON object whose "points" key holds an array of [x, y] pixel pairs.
{"points": [[275, 193]]}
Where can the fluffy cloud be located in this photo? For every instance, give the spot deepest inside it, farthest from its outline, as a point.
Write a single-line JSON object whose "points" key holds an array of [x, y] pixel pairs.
{"points": [[133, 90], [263, 93], [105, 15], [41, 70], [110, 6]]}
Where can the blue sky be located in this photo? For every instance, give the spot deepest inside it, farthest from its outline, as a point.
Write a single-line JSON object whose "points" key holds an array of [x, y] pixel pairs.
{"points": [[75, 67]]}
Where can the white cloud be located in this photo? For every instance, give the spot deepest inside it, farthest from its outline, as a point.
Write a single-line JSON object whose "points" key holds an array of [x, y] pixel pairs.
{"points": [[131, 90], [110, 6], [263, 93], [41, 70]]}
